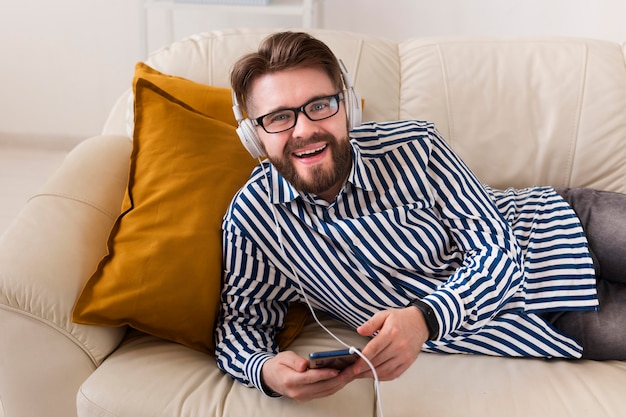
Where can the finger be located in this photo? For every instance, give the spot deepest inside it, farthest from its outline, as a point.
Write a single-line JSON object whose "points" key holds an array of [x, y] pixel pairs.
{"points": [[374, 324], [374, 350], [392, 369], [321, 393], [299, 364], [292, 360], [385, 371], [360, 369], [314, 376], [348, 374], [315, 384]]}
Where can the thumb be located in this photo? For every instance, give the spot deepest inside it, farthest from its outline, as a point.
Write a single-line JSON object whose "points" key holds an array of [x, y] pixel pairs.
{"points": [[294, 361], [374, 324]]}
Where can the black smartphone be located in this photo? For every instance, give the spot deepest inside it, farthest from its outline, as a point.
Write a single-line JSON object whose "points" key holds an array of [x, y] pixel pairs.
{"points": [[337, 359]]}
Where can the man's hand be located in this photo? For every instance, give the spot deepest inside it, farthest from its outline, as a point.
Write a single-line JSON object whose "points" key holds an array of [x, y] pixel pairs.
{"points": [[401, 334], [287, 374]]}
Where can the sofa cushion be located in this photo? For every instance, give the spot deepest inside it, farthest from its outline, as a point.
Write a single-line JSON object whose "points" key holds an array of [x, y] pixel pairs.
{"points": [[523, 112], [162, 272], [445, 385], [601, 214], [147, 376]]}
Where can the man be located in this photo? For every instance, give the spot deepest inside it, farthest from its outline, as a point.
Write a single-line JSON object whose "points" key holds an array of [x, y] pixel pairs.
{"points": [[386, 230]]}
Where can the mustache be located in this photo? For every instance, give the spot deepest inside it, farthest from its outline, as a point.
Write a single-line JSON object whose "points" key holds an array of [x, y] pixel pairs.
{"points": [[295, 144]]}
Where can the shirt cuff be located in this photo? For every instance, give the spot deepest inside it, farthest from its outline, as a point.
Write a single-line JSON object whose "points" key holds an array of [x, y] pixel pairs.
{"points": [[253, 369]]}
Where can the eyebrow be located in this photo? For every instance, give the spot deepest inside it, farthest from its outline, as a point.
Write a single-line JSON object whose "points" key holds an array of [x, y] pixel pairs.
{"points": [[281, 108]]}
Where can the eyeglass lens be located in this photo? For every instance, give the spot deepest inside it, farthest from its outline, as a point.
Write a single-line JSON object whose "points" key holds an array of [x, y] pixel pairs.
{"points": [[318, 109]]}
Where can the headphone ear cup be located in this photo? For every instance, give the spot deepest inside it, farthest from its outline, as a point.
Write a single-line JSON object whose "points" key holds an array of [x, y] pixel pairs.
{"points": [[250, 139]]}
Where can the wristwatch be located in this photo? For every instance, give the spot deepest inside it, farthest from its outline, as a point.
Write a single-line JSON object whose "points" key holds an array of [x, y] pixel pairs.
{"points": [[429, 316]]}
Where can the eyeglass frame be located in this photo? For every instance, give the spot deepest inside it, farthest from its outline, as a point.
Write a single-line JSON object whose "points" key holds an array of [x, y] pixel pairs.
{"points": [[297, 110]]}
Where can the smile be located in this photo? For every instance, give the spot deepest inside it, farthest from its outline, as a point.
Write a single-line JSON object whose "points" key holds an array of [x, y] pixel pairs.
{"points": [[310, 152]]}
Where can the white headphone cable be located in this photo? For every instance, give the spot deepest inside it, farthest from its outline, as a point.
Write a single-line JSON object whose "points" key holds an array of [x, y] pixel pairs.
{"points": [[352, 349]]}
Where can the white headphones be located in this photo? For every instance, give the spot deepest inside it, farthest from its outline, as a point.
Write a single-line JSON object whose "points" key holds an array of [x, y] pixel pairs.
{"points": [[250, 138]]}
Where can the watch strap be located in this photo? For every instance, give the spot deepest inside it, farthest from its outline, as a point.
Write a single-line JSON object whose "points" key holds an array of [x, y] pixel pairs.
{"points": [[429, 316]]}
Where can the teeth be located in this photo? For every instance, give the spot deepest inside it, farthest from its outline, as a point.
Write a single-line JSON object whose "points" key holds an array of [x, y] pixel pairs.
{"points": [[310, 151]]}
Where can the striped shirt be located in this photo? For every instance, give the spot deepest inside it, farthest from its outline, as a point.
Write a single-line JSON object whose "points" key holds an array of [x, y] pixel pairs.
{"points": [[412, 221]]}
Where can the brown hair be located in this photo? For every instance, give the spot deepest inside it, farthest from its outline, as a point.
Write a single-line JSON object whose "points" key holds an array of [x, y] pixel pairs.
{"points": [[282, 51]]}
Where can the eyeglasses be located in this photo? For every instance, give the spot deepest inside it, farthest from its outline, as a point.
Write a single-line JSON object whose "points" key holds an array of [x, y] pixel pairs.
{"points": [[317, 109]]}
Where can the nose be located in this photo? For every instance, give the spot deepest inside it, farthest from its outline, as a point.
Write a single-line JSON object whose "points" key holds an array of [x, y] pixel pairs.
{"points": [[304, 126]]}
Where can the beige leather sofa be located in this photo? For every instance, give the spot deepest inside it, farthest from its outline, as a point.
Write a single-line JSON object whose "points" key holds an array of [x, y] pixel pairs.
{"points": [[519, 111]]}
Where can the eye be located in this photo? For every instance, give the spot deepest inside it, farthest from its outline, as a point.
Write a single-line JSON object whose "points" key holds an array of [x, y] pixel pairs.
{"points": [[279, 117], [319, 105]]}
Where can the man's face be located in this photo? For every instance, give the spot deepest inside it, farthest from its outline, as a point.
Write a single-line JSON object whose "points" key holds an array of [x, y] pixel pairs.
{"points": [[314, 156]]}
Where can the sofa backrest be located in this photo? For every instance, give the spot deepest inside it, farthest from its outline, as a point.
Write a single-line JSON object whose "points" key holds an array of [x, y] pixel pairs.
{"points": [[520, 112], [524, 112]]}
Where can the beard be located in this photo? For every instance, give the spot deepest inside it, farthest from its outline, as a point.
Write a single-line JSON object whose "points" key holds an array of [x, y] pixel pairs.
{"points": [[320, 178]]}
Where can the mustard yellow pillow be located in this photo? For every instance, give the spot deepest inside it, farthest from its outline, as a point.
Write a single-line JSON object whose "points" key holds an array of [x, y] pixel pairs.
{"points": [[212, 101], [162, 272]]}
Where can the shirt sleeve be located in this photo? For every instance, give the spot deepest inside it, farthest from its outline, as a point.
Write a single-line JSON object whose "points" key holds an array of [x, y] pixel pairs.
{"points": [[252, 309], [492, 270]]}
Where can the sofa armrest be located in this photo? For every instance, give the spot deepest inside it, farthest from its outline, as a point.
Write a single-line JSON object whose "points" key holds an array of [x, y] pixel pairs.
{"points": [[46, 256]]}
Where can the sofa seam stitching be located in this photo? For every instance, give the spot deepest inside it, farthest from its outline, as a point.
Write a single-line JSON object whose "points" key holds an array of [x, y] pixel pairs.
{"points": [[577, 118], [77, 199], [444, 76], [53, 326]]}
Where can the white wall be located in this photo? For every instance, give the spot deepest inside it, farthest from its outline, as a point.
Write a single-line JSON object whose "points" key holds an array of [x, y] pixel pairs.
{"points": [[63, 63], [604, 19]]}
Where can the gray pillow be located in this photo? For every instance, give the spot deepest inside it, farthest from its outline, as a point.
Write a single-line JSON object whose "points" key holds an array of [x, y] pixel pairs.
{"points": [[603, 217]]}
